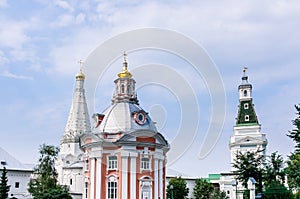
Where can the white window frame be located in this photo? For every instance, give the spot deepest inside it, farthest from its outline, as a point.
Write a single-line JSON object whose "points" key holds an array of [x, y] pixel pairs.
{"points": [[112, 188], [112, 164], [246, 106], [144, 164], [247, 118]]}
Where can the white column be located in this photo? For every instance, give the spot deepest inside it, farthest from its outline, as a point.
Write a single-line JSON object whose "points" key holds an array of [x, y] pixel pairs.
{"points": [[124, 171], [98, 178], [133, 175], [161, 164], [92, 189], [156, 178]]}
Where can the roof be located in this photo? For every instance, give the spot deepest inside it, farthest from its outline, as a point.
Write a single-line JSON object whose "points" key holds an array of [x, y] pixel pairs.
{"points": [[246, 113], [120, 117], [11, 163]]}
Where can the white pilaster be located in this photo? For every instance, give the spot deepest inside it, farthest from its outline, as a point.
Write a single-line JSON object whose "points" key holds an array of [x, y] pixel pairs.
{"points": [[161, 179], [92, 189], [124, 171], [133, 175], [156, 178], [98, 178]]}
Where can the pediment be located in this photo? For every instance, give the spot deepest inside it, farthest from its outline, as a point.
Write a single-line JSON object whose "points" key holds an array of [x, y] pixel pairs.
{"points": [[145, 136], [248, 141]]}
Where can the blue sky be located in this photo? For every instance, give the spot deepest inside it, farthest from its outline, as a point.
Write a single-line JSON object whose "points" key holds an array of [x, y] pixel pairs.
{"points": [[42, 41]]}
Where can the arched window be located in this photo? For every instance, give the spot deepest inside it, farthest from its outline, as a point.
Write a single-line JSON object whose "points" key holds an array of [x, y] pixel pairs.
{"points": [[112, 187], [128, 89], [245, 93], [122, 88]]}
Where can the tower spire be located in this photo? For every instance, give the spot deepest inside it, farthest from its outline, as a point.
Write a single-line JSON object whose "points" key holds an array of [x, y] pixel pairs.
{"points": [[78, 121], [246, 112]]}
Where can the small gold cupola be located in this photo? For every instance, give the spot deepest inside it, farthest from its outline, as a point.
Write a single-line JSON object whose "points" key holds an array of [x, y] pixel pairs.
{"points": [[124, 73]]}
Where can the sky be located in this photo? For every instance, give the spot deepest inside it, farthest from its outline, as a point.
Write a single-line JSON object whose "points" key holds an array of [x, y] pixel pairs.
{"points": [[42, 41]]}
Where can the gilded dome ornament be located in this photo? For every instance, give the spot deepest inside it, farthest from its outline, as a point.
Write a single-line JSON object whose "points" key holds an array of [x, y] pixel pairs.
{"points": [[125, 73]]}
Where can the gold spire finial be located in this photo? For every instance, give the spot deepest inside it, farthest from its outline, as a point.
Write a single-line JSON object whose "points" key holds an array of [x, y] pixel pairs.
{"points": [[124, 72], [80, 75]]}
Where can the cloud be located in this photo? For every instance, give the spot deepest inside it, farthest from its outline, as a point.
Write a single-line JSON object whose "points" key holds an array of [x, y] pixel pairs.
{"points": [[3, 58], [64, 4], [11, 75]]}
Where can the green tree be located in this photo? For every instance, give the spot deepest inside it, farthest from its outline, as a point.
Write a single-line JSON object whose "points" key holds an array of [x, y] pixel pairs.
{"points": [[295, 133], [249, 164], [293, 162], [293, 171], [276, 190], [202, 189], [177, 188], [45, 185], [217, 194], [4, 187], [274, 169]]}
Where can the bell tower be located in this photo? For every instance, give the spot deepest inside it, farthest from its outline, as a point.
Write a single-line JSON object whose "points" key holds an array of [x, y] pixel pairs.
{"points": [[247, 134], [69, 163]]}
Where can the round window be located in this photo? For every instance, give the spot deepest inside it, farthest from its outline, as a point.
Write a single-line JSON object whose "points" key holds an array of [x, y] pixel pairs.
{"points": [[140, 118]]}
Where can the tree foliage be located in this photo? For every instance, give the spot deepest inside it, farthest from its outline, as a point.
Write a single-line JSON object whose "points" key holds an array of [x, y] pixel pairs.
{"points": [[293, 163], [45, 185], [295, 133], [249, 164], [205, 190], [274, 170], [202, 189], [293, 171], [276, 190], [4, 187], [177, 188]]}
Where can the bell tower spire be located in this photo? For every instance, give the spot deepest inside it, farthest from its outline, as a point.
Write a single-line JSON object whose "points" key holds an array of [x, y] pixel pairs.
{"points": [[247, 135], [78, 121], [69, 163], [246, 112]]}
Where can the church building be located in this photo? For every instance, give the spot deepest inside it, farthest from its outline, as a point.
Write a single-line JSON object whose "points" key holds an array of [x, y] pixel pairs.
{"points": [[123, 157]]}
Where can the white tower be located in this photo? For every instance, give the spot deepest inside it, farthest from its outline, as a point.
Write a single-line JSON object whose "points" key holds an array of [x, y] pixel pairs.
{"points": [[70, 160], [247, 135]]}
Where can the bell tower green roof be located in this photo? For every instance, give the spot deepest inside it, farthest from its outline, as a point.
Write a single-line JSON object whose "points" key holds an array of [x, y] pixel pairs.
{"points": [[246, 112]]}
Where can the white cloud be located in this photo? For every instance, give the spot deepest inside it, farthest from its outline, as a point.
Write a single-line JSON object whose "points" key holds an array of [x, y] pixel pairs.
{"points": [[64, 4], [3, 58], [12, 34], [80, 18], [11, 75]]}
